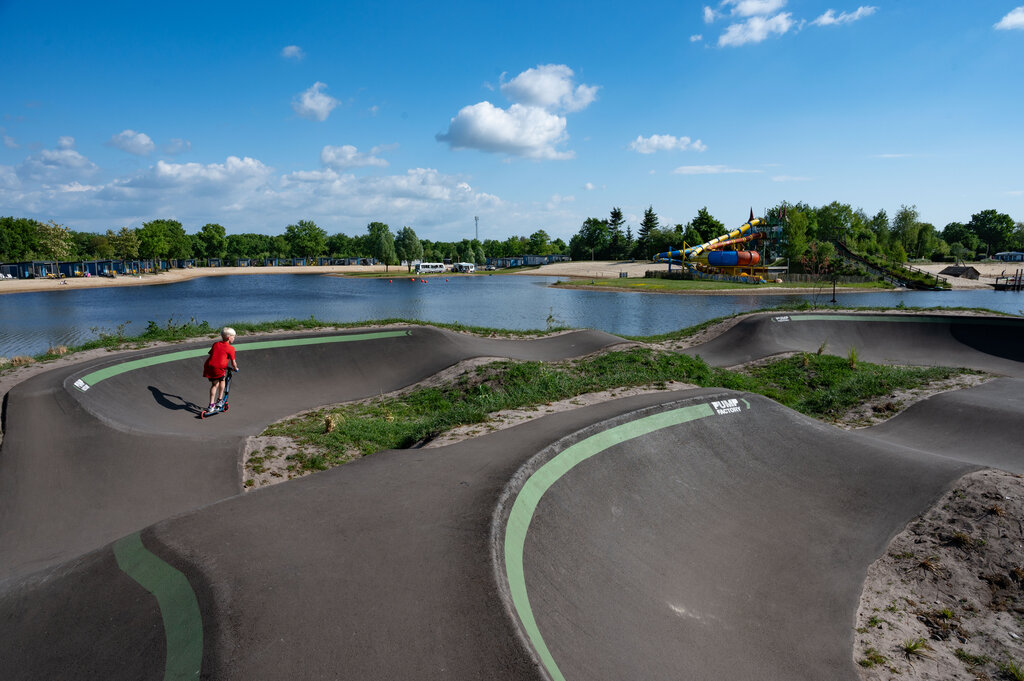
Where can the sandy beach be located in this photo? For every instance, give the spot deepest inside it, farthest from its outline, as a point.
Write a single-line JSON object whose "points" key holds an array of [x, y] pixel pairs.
{"points": [[176, 275], [610, 270]]}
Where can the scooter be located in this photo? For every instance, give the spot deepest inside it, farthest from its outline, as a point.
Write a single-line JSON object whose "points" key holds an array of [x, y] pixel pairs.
{"points": [[223, 404]]}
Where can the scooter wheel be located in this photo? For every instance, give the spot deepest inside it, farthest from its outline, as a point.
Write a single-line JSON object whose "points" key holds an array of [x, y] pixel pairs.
{"points": [[202, 414], [225, 407]]}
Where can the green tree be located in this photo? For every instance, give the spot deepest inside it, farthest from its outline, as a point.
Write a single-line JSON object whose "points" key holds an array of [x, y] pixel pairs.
{"points": [[341, 246], [905, 229], [591, 241], [706, 226], [381, 243], [214, 241], [540, 243], [835, 222], [927, 241], [1016, 241], [279, 246], [305, 239], [879, 224], [408, 246], [648, 224], [794, 235], [157, 238], [19, 239], [959, 233], [617, 238], [993, 229], [54, 241], [125, 243]]}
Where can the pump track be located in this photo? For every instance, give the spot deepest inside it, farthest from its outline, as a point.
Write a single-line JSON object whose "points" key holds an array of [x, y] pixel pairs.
{"points": [[696, 534]]}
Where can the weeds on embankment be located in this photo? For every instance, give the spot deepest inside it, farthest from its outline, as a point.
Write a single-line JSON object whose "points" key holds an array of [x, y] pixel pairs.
{"points": [[821, 386]]}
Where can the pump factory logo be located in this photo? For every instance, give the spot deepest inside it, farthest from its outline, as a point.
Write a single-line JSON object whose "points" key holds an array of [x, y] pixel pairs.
{"points": [[726, 406]]}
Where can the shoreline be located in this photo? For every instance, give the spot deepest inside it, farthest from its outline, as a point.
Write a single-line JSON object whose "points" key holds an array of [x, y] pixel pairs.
{"points": [[174, 276], [574, 271]]}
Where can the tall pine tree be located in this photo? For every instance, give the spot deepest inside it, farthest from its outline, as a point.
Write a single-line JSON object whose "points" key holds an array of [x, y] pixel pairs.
{"points": [[643, 235]]}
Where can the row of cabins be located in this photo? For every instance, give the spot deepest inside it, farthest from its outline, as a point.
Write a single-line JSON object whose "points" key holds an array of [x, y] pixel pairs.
{"points": [[51, 269], [527, 260]]}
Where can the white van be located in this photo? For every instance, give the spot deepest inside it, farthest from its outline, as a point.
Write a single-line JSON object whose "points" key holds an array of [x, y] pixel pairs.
{"points": [[464, 267], [429, 267]]}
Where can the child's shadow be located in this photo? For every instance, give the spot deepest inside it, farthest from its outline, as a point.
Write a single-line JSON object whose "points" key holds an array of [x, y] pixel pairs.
{"points": [[165, 401]]}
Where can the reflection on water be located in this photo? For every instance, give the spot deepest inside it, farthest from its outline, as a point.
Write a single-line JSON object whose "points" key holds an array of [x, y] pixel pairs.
{"points": [[31, 322]]}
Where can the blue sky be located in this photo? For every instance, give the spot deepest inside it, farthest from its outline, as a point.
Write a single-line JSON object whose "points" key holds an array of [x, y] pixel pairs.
{"points": [[532, 115]]}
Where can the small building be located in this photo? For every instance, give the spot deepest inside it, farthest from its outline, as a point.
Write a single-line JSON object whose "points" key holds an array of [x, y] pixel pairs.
{"points": [[1010, 256], [33, 269], [243, 262], [961, 271]]}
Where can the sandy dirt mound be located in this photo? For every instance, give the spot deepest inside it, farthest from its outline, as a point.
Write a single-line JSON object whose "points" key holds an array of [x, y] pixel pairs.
{"points": [[945, 601]]}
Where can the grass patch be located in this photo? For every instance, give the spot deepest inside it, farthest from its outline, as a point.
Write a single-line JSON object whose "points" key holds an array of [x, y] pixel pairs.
{"points": [[872, 658], [824, 388], [670, 285], [1011, 670], [915, 647], [971, 660]]}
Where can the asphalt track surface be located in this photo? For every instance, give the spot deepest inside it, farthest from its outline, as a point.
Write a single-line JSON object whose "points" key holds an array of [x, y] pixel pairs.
{"points": [[701, 534]]}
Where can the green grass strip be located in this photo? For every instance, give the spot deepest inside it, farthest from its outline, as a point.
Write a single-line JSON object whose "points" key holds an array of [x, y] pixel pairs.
{"points": [[95, 377], [541, 481], [179, 608]]}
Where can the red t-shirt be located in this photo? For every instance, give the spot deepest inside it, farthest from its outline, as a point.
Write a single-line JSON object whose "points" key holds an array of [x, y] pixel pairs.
{"points": [[220, 354]]}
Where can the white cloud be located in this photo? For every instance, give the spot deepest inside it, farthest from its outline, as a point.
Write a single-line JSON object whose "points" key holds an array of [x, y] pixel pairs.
{"points": [[649, 145], [245, 195], [589, 186], [177, 146], [533, 126], [751, 8], [549, 87], [755, 29], [696, 38], [53, 166], [519, 130], [10, 142], [137, 143], [790, 178], [710, 170], [293, 52], [314, 104], [348, 156], [709, 15], [1015, 19], [829, 18]]}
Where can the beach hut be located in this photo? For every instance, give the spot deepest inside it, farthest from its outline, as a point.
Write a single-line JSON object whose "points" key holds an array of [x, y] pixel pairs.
{"points": [[1010, 256], [71, 269], [242, 262]]}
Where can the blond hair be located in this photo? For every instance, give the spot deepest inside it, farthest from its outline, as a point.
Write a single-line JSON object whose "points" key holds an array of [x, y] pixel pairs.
{"points": [[227, 331]]}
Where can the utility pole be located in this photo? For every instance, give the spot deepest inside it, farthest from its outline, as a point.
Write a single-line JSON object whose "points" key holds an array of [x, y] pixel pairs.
{"points": [[476, 219]]}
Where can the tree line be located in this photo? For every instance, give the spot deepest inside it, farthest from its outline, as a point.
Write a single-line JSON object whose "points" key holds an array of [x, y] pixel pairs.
{"points": [[25, 239], [903, 237]]}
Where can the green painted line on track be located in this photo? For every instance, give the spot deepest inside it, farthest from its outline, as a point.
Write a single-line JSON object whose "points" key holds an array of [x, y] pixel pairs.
{"points": [[179, 608], [540, 482], [95, 377]]}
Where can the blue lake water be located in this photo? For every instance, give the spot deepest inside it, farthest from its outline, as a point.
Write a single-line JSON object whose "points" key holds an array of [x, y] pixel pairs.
{"points": [[31, 322]]}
